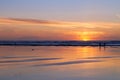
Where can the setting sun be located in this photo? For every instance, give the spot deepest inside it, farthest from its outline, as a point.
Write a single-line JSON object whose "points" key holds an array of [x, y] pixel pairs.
{"points": [[89, 35], [85, 36]]}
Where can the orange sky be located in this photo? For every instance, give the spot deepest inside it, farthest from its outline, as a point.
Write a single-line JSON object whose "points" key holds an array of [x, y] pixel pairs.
{"points": [[30, 29]]}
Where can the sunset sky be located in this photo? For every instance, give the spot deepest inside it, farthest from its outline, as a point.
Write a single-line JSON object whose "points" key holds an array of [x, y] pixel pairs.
{"points": [[60, 20]]}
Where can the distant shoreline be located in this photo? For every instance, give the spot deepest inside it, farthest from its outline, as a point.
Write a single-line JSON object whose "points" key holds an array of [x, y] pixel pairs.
{"points": [[59, 43]]}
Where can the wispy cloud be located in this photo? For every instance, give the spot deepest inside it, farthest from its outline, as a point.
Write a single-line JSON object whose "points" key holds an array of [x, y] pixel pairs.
{"points": [[25, 21], [65, 24]]}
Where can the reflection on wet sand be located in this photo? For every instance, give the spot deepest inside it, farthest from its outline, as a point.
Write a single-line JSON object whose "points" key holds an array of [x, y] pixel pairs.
{"points": [[10, 57], [28, 60], [59, 63], [70, 62], [103, 57]]}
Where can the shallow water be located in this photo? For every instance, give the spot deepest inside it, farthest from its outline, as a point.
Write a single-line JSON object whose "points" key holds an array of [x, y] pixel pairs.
{"points": [[59, 63]]}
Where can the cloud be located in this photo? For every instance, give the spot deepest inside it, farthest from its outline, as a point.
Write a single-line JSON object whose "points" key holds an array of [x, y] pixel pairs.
{"points": [[25, 21], [118, 16], [59, 24], [34, 21]]}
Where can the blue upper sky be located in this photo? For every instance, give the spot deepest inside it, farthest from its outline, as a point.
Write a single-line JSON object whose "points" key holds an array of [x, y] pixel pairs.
{"points": [[69, 10]]}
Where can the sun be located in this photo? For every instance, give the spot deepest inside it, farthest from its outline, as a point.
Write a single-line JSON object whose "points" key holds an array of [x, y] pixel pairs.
{"points": [[86, 39], [85, 36]]}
